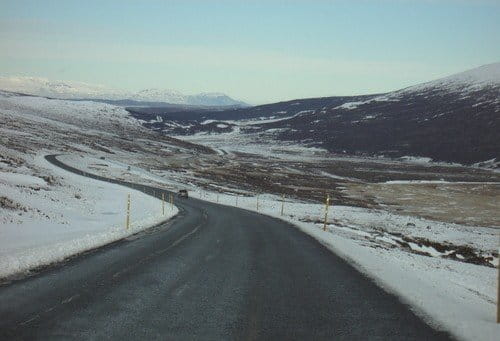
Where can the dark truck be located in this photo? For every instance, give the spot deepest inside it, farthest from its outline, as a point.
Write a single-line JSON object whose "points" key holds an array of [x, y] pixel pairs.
{"points": [[183, 193]]}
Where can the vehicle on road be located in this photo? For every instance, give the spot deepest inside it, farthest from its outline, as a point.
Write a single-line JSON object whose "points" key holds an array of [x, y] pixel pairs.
{"points": [[183, 193]]}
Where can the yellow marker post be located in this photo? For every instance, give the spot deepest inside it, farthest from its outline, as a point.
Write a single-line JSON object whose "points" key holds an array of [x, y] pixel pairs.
{"points": [[282, 203], [128, 211], [498, 295], [498, 292], [163, 203], [327, 204]]}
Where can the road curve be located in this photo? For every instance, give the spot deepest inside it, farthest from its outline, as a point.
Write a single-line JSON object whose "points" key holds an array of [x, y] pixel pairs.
{"points": [[211, 273]]}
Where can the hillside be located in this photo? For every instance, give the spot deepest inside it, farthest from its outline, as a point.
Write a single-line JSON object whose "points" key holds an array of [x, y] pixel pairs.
{"points": [[453, 119]]}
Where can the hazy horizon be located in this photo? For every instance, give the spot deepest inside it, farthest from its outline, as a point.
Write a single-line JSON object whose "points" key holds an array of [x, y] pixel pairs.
{"points": [[257, 52]]}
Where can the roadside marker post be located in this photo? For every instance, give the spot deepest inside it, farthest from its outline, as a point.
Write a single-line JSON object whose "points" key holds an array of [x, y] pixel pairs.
{"points": [[171, 202], [282, 204], [327, 204], [257, 203], [236, 200], [217, 197], [128, 211], [163, 203]]}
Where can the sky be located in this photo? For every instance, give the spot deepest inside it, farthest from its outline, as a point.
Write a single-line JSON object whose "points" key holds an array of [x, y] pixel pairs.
{"points": [[255, 51]]}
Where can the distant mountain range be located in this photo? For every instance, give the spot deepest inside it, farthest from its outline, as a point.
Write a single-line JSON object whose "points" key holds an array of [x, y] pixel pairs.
{"points": [[453, 119], [78, 91]]}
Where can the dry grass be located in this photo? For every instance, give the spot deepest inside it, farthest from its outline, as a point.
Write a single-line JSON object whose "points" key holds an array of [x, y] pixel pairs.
{"points": [[469, 204]]}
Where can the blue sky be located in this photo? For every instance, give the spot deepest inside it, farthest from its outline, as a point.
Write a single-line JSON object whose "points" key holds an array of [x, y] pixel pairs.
{"points": [[257, 51]]}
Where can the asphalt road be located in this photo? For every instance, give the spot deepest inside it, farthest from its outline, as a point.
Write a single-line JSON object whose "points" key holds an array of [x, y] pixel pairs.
{"points": [[211, 273]]}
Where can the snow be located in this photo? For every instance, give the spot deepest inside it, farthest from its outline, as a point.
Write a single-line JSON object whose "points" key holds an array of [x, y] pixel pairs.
{"points": [[17, 179], [58, 89], [85, 114], [477, 78], [351, 105], [47, 214], [75, 215], [416, 159], [492, 164], [235, 141], [207, 122], [117, 170], [79, 90], [474, 79], [356, 104], [161, 95], [423, 182], [486, 74]]}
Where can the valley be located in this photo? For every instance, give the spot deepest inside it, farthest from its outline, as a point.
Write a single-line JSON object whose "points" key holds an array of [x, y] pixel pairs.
{"points": [[389, 214]]}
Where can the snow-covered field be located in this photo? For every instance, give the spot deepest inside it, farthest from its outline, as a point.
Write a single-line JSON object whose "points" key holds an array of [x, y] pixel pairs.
{"points": [[234, 141], [66, 215]]}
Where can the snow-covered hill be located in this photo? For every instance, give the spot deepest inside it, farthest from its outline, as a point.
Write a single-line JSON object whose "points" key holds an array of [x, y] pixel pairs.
{"points": [[79, 90], [48, 214], [480, 77], [58, 89]]}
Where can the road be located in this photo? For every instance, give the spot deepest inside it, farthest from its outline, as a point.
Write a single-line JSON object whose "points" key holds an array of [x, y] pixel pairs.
{"points": [[211, 273]]}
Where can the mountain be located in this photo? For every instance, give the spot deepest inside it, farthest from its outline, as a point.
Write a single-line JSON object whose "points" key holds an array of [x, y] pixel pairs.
{"points": [[79, 90], [214, 99], [452, 119]]}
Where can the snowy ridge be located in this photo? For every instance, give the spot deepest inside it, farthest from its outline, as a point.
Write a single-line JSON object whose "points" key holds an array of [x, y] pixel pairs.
{"points": [[477, 78], [57, 89], [486, 74], [474, 79], [80, 90]]}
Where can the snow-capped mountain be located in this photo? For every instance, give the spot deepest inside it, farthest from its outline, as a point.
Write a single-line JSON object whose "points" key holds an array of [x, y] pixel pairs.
{"points": [[213, 99], [79, 90], [163, 95], [454, 119]]}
